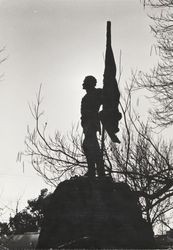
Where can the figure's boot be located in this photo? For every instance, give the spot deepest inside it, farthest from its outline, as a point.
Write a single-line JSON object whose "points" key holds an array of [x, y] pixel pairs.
{"points": [[100, 168], [91, 170]]}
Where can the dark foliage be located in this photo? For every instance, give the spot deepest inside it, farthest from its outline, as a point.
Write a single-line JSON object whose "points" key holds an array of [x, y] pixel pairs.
{"points": [[30, 219]]}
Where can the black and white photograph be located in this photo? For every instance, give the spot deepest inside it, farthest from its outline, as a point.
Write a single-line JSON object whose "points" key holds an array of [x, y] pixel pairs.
{"points": [[86, 107]]}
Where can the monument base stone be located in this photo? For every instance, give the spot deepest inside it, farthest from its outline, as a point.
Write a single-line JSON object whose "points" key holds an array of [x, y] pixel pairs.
{"points": [[94, 213]]}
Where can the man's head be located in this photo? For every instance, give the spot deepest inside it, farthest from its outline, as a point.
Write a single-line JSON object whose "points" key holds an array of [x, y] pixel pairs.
{"points": [[89, 82]]}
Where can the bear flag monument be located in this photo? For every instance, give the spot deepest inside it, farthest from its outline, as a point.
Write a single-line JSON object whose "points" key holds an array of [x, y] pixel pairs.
{"points": [[109, 116], [94, 211]]}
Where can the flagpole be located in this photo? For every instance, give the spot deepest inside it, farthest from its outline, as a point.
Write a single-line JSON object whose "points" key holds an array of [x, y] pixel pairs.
{"points": [[103, 128], [102, 141], [108, 40]]}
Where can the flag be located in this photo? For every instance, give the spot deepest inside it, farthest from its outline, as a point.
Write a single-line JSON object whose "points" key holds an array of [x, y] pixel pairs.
{"points": [[110, 114]]}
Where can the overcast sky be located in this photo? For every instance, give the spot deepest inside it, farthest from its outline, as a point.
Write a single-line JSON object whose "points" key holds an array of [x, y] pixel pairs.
{"points": [[57, 43]]}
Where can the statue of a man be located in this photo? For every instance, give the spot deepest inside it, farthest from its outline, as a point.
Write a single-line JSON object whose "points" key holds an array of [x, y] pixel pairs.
{"points": [[90, 122]]}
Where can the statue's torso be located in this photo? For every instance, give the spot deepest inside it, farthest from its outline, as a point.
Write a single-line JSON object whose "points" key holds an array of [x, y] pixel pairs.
{"points": [[90, 106]]}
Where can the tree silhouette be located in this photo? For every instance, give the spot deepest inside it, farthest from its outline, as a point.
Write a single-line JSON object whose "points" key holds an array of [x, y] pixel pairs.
{"points": [[31, 217], [160, 80]]}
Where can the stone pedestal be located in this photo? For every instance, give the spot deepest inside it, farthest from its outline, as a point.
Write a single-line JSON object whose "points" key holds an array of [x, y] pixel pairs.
{"points": [[94, 213]]}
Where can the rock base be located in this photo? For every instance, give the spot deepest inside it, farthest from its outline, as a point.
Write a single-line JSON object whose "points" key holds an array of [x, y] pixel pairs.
{"points": [[94, 213]]}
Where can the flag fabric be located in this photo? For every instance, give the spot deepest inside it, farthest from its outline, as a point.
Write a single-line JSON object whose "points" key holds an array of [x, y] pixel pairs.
{"points": [[110, 114]]}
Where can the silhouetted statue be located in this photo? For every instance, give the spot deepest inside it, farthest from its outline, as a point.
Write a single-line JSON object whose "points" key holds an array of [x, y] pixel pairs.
{"points": [[109, 115], [90, 122]]}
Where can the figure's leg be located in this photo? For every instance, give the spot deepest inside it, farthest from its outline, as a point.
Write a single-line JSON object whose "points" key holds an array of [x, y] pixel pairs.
{"points": [[90, 161], [100, 168], [99, 159]]}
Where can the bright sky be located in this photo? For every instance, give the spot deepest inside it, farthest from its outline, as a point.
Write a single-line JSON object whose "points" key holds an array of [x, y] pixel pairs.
{"points": [[57, 43]]}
